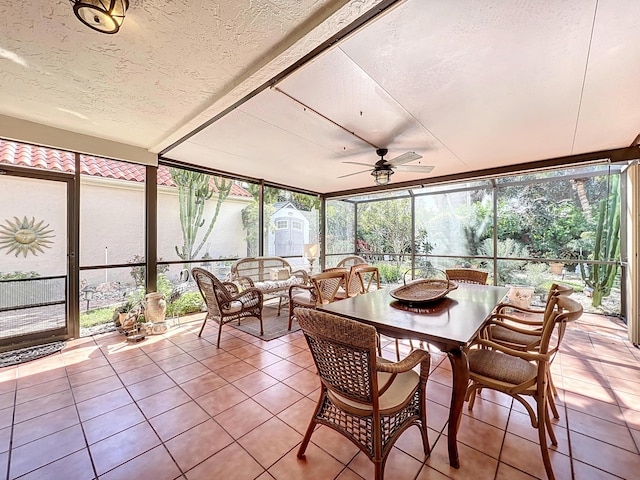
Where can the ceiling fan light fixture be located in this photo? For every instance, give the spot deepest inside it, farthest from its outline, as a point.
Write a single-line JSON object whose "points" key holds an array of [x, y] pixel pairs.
{"points": [[382, 176], [105, 16]]}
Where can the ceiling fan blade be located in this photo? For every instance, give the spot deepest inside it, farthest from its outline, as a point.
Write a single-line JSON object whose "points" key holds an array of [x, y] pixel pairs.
{"points": [[404, 158], [414, 168], [360, 163], [354, 173]]}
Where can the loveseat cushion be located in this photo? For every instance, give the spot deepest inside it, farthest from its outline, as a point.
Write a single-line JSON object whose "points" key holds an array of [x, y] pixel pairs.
{"points": [[277, 285]]}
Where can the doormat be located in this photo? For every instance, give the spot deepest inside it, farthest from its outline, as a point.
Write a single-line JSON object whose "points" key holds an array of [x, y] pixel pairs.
{"points": [[15, 357], [274, 327]]}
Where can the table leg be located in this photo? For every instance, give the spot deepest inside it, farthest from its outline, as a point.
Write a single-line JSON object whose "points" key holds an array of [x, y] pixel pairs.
{"points": [[460, 369]]}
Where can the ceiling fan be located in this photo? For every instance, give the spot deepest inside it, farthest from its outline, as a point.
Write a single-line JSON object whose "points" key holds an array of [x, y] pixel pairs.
{"points": [[383, 169]]}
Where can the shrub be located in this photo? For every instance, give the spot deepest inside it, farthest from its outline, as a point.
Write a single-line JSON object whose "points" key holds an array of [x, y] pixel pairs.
{"points": [[508, 270], [189, 302], [18, 275], [389, 273], [137, 273]]}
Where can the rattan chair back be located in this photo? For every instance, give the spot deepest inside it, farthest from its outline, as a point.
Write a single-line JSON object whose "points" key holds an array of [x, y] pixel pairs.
{"points": [[327, 285], [369, 277], [350, 261], [322, 289], [344, 352], [467, 275], [354, 283]]}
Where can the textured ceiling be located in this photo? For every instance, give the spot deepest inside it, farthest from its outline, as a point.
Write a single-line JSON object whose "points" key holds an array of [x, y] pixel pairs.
{"points": [[467, 85], [169, 63]]}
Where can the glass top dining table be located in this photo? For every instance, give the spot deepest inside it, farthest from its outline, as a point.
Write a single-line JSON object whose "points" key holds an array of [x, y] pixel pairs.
{"points": [[450, 324]]}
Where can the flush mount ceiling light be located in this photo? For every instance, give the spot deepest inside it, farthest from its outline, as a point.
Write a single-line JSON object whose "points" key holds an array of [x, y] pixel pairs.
{"points": [[105, 16]]}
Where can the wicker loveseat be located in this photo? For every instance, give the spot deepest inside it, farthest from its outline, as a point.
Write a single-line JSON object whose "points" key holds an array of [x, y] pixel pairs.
{"points": [[271, 275]]}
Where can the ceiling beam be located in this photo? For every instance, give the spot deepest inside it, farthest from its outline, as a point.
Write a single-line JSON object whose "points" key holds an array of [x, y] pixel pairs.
{"points": [[614, 155], [18, 130]]}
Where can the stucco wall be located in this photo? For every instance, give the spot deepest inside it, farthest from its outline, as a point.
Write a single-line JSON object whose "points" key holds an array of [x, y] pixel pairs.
{"points": [[44, 201], [227, 239], [111, 225]]}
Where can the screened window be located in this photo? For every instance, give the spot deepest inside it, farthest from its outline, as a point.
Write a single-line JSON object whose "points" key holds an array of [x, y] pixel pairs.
{"points": [[291, 221], [201, 216]]}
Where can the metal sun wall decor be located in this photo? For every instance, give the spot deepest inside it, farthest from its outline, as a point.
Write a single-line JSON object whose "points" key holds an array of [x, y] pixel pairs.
{"points": [[24, 236]]}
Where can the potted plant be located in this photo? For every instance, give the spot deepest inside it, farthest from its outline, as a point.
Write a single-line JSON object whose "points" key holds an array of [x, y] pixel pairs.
{"points": [[121, 312], [556, 268]]}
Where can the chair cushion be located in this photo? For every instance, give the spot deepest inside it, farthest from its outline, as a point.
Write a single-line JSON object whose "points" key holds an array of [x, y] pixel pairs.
{"points": [[233, 308], [502, 334], [502, 367], [397, 395], [303, 297]]}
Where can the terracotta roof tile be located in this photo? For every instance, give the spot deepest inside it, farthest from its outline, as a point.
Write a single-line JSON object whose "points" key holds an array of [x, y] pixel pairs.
{"points": [[37, 157], [24, 155]]}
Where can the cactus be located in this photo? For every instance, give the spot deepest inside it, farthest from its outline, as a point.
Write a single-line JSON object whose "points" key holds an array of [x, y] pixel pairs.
{"points": [[606, 247], [194, 190]]}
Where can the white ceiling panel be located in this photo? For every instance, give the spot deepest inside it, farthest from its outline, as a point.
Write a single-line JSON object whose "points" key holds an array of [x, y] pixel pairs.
{"points": [[496, 82], [340, 90], [610, 110], [280, 111]]}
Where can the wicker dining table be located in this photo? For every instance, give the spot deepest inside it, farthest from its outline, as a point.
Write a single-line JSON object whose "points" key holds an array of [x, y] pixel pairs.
{"points": [[450, 324]]}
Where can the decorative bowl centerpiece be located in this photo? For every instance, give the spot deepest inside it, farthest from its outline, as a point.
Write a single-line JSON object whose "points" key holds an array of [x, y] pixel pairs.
{"points": [[424, 290]]}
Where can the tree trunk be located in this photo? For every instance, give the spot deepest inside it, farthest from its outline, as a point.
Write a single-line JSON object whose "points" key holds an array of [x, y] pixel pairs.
{"points": [[578, 186]]}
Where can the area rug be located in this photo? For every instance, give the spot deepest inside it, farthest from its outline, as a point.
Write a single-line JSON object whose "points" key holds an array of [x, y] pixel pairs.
{"points": [[14, 357], [274, 326]]}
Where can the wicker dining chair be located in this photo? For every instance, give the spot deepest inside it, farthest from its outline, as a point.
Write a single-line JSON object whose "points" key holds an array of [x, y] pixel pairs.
{"points": [[467, 275], [369, 400], [225, 302], [351, 286], [322, 290], [524, 373]]}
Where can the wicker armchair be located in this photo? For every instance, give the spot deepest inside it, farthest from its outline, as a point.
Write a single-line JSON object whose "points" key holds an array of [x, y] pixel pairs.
{"points": [[467, 275], [365, 398], [225, 303], [520, 373], [321, 291]]}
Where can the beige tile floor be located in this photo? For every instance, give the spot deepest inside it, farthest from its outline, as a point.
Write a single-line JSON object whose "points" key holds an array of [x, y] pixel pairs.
{"points": [[175, 406]]}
